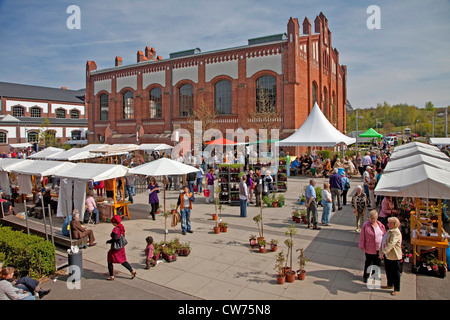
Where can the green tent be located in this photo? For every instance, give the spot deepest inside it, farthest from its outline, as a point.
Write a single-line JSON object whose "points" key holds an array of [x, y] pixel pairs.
{"points": [[371, 134]]}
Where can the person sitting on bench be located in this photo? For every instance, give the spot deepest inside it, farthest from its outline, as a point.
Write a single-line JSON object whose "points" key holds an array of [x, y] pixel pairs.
{"points": [[295, 165], [78, 231]]}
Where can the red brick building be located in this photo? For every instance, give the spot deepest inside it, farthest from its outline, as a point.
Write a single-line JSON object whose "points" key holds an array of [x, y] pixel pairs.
{"points": [[144, 102]]}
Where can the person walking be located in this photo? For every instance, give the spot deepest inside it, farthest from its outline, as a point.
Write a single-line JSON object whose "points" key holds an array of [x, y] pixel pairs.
{"points": [[249, 182], [258, 188], [243, 196], [387, 208], [153, 200], [336, 189], [199, 176], [311, 204], [117, 255], [371, 186], [391, 251], [366, 161], [326, 204], [372, 233], [191, 178], [366, 179], [346, 187], [129, 186], [359, 205], [184, 202], [210, 183]]}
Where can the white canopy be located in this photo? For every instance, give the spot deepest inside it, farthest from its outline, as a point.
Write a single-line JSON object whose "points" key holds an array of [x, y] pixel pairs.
{"points": [[422, 181], [20, 145], [415, 144], [93, 171], [116, 149], [416, 160], [163, 166], [316, 131], [418, 150], [45, 153], [8, 164], [154, 146], [440, 141], [42, 168], [75, 154]]}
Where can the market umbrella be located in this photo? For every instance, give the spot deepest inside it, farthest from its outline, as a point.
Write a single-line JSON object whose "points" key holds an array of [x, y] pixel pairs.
{"points": [[222, 141], [371, 134]]}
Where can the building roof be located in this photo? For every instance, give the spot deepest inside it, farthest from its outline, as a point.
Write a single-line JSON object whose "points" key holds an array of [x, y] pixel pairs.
{"points": [[348, 106], [25, 91]]}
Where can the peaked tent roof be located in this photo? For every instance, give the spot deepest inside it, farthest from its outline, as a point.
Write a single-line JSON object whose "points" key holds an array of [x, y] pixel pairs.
{"points": [[93, 171], [414, 161], [45, 153], [415, 144], [316, 131], [440, 141], [371, 134], [163, 166], [222, 141], [418, 150]]}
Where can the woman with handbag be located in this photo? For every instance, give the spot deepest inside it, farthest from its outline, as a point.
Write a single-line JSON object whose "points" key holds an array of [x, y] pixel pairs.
{"points": [[153, 190], [117, 252]]}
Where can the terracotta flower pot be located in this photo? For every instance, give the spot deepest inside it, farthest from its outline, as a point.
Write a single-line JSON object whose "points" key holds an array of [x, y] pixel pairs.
{"points": [[275, 204], [223, 229], [215, 217], [281, 278], [156, 257], [290, 276], [216, 230], [301, 274], [286, 269], [262, 249], [259, 239], [293, 218], [252, 243], [274, 248], [297, 220]]}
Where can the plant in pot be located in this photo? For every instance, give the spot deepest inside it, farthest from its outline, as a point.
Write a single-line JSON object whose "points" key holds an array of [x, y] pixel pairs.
{"points": [[266, 200], [303, 216], [173, 208], [281, 200], [252, 240], [262, 246], [166, 215], [258, 220], [297, 216], [301, 272], [223, 226], [274, 200], [294, 212], [302, 200], [158, 211], [279, 267], [290, 274], [274, 245]]}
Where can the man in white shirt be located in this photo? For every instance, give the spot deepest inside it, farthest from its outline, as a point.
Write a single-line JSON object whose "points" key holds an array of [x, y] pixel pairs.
{"points": [[366, 160], [243, 196]]}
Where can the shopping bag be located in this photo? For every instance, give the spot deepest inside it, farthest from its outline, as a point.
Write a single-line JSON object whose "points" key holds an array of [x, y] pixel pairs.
{"points": [[195, 189], [206, 193]]}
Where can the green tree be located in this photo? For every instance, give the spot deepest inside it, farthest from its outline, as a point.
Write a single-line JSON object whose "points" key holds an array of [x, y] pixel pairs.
{"points": [[429, 106]]}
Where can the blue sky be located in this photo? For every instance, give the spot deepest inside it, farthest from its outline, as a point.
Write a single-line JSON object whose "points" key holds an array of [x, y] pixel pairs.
{"points": [[406, 61]]}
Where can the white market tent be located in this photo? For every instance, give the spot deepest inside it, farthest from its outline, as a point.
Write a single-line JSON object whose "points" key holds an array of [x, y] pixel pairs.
{"points": [[415, 144], [418, 150], [42, 168], [154, 147], [7, 164], [422, 181], [75, 154], [416, 160], [316, 131], [93, 172], [20, 145], [163, 166], [440, 141], [45, 153]]}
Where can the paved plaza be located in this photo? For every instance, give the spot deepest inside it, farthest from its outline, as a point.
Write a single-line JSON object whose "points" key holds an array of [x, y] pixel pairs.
{"points": [[223, 266]]}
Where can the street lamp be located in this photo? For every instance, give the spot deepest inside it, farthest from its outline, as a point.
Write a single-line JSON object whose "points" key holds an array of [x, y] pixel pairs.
{"points": [[415, 126]]}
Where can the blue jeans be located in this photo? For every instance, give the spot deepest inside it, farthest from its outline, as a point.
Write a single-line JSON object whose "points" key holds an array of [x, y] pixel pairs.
{"points": [[366, 191], [243, 205], [185, 220], [199, 185], [191, 186], [29, 298], [95, 212], [129, 191], [326, 211]]}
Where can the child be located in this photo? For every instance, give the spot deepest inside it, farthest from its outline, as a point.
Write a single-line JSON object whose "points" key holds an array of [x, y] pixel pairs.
{"points": [[149, 251]]}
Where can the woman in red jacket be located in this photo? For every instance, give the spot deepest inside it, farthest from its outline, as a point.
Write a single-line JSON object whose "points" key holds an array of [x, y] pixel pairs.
{"points": [[372, 233], [117, 255]]}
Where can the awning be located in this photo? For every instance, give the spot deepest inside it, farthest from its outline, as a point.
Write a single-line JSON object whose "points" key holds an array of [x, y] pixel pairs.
{"points": [[418, 150], [371, 133], [220, 142], [416, 160], [154, 147], [20, 145], [440, 141], [45, 153], [42, 168], [93, 171]]}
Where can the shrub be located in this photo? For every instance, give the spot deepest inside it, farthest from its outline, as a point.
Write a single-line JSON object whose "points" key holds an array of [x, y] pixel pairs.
{"points": [[325, 154], [30, 255]]}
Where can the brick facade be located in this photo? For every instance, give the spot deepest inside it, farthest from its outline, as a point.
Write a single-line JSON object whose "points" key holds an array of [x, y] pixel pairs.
{"points": [[298, 62]]}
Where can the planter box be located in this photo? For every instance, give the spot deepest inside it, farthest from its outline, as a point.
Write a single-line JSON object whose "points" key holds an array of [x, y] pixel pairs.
{"points": [[169, 258]]}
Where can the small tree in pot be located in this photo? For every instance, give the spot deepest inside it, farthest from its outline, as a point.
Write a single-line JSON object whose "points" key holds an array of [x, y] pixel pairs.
{"points": [[290, 274], [301, 273], [274, 245], [252, 240], [262, 246], [258, 220], [279, 267]]}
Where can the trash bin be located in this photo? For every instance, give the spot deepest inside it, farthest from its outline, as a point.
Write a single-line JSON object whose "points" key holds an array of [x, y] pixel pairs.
{"points": [[76, 260]]}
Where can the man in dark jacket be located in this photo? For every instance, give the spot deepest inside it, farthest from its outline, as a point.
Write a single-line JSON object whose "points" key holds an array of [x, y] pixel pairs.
{"points": [[191, 177], [336, 189]]}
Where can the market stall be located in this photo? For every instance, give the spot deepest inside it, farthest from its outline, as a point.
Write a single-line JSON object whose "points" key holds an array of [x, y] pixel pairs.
{"points": [[45, 153]]}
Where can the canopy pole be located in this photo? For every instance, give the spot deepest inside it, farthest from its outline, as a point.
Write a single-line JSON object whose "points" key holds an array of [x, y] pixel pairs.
{"points": [[3, 212], [51, 224], [43, 215], [26, 215]]}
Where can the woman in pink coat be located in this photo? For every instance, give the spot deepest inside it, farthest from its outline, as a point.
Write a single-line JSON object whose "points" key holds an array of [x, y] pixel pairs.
{"points": [[372, 233], [117, 255]]}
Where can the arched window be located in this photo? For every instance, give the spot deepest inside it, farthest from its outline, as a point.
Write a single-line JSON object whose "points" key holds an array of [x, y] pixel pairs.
{"points": [[74, 114], [325, 101], [186, 100], [333, 106], [155, 102], [35, 112], [3, 137], [104, 107], [315, 91], [60, 113], [266, 94], [18, 111], [128, 105], [222, 97], [32, 137]]}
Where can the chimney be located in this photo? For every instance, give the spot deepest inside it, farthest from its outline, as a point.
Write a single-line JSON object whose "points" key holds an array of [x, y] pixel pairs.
{"points": [[306, 26], [118, 61], [141, 57], [159, 58], [150, 54]]}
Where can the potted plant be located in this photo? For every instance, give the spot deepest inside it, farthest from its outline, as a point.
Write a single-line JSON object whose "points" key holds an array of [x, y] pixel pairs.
{"points": [[266, 200], [223, 227], [281, 200], [297, 216], [274, 245], [279, 267], [262, 246], [274, 200], [158, 211], [252, 240], [294, 214], [173, 208], [303, 216], [302, 200], [258, 221], [290, 274], [301, 273]]}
